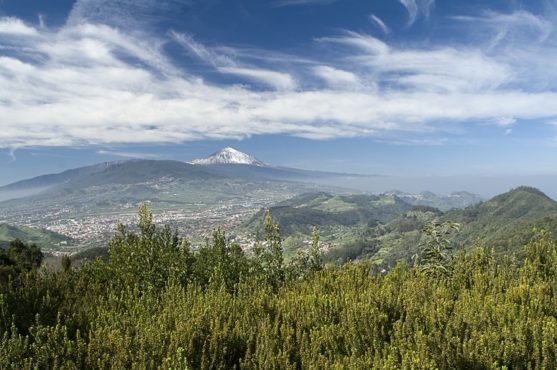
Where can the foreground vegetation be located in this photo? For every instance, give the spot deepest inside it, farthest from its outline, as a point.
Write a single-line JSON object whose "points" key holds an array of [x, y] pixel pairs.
{"points": [[158, 304]]}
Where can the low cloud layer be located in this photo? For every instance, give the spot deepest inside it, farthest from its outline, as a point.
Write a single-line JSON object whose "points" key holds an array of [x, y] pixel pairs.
{"points": [[90, 83]]}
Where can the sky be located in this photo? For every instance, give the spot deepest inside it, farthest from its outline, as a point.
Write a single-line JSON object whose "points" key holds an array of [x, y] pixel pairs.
{"points": [[392, 87]]}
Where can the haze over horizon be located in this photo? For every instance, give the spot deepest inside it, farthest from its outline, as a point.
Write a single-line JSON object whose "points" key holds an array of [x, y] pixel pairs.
{"points": [[418, 89]]}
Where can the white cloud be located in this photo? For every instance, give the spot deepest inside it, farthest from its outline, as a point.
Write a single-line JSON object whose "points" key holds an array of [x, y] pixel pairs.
{"points": [[277, 80], [15, 27], [505, 121], [93, 84], [379, 24], [522, 40], [430, 70], [335, 77]]}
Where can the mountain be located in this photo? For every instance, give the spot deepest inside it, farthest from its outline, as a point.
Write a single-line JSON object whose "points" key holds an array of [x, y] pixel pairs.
{"points": [[43, 238], [233, 163], [49, 180], [137, 171], [504, 223], [226, 163], [87, 203], [386, 228], [229, 155], [41, 183]]}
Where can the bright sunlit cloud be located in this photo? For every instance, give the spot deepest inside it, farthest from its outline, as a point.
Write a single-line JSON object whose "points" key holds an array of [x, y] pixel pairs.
{"points": [[89, 82]]}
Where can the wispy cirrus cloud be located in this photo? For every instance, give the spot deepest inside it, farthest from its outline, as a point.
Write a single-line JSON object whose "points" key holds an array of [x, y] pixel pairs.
{"points": [[518, 26], [417, 8], [227, 65], [378, 22]]}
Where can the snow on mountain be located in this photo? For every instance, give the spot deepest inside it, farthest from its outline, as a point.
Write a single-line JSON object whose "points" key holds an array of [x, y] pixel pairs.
{"points": [[229, 156]]}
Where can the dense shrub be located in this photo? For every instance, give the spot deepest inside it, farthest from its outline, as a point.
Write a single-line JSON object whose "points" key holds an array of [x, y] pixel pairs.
{"points": [[158, 304]]}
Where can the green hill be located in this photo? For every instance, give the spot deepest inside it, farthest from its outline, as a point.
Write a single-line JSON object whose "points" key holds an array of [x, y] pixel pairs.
{"points": [[43, 238], [340, 218], [386, 229], [386, 243], [300, 213], [505, 223]]}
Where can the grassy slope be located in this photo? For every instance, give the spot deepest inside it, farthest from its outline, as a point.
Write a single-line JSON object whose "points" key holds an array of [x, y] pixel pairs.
{"points": [[44, 238]]}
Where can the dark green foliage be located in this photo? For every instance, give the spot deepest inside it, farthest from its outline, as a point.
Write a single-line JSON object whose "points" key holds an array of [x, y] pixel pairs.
{"points": [[90, 255], [158, 304], [18, 258], [66, 263]]}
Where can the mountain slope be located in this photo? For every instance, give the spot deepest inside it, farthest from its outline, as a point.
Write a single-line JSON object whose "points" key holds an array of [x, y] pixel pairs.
{"points": [[300, 213], [504, 223], [142, 170], [43, 238], [338, 217]]}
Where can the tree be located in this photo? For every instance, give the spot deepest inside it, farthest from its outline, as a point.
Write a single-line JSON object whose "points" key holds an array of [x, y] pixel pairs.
{"points": [[66, 263], [315, 255], [149, 258], [18, 258], [436, 247], [273, 259]]}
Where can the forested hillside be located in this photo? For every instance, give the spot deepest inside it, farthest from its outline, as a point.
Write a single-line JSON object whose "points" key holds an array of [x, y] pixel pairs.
{"points": [[386, 228], [157, 303]]}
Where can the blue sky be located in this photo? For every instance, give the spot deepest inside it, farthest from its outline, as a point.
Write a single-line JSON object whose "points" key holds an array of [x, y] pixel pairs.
{"points": [[397, 87]]}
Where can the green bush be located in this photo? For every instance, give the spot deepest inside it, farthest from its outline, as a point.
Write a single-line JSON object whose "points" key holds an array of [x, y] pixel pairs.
{"points": [[158, 304]]}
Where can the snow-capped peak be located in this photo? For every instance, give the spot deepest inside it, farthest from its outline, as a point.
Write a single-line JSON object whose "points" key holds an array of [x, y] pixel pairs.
{"points": [[229, 156]]}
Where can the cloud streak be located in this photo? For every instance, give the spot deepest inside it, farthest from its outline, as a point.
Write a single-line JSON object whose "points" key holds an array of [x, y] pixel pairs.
{"points": [[378, 22], [417, 8]]}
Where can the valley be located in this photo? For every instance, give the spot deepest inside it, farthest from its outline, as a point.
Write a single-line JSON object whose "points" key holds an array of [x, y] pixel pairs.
{"points": [[230, 190], [87, 204]]}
